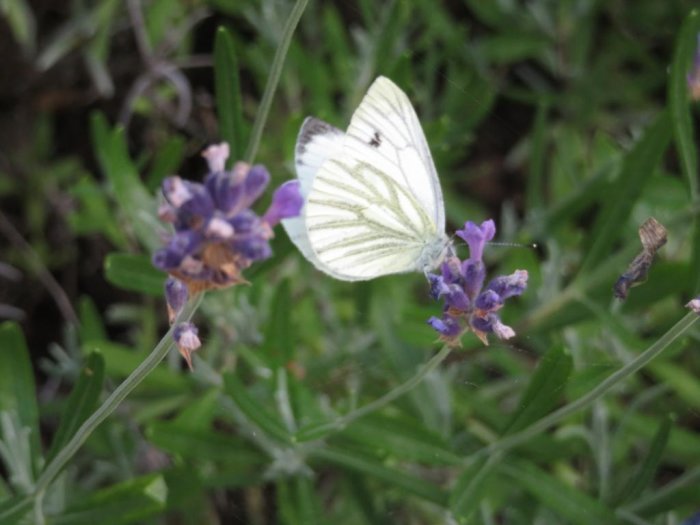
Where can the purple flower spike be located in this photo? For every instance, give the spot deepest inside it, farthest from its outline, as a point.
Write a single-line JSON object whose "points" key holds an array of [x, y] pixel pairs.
{"points": [[460, 284], [477, 237], [286, 203]]}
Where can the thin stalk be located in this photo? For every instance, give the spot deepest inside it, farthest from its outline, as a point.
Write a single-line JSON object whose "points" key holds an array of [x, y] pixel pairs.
{"points": [[273, 79], [113, 401], [387, 398], [599, 391]]}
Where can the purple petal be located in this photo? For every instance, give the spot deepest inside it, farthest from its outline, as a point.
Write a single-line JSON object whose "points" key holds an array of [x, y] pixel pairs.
{"points": [[216, 156], [488, 301], [447, 326], [477, 236], [226, 191], [254, 185], [509, 285], [474, 273], [181, 244], [286, 202], [176, 295]]}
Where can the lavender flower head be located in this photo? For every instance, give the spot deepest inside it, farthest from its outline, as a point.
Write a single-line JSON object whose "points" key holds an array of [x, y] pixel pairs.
{"points": [[215, 233], [469, 306]]}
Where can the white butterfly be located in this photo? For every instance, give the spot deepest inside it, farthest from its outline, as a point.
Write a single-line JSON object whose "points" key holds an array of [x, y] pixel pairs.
{"points": [[372, 199]]}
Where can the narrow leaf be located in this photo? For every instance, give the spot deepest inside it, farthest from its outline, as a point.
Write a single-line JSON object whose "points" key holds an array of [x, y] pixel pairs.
{"points": [[254, 410], [279, 336], [544, 390], [17, 389], [80, 404], [679, 100], [645, 473], [370, 466], [129, 502], [470, 488], [134, 272], [228, 93], [570, 503], [637, 167]]}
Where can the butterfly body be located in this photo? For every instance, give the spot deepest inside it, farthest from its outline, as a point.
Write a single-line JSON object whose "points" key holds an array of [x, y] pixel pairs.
{"points": [[373, 203]]}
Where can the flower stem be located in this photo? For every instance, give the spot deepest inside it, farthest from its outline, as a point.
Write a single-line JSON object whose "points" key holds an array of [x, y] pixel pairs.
{"points": [[273, 79], [113, 401], [343, 421], [585, 401]]}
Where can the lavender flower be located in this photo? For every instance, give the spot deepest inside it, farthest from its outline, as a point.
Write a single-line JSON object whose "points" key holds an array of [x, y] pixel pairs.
{"points": [[460, 284], [216, 235]]}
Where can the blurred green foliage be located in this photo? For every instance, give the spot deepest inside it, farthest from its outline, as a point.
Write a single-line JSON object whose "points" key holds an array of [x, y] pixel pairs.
{"points": [[567, 122]]}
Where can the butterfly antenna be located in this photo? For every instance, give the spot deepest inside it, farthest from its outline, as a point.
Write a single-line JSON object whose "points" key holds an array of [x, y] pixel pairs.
{"points": [[532, 246]]}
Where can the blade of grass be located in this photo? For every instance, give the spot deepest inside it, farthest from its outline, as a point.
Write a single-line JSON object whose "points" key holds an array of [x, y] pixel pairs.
{"points": [[637, 167], [228, 93]]}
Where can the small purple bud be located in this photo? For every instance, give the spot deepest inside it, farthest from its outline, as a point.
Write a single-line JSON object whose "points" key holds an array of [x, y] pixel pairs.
{"points": [[286, 202], [226, 189], [488, 301], [198, 207], [447, 326], [186, 336], [176, 295], [477, 236], [216, 156]]}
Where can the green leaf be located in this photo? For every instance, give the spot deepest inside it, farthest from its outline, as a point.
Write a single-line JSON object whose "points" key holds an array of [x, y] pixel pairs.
{"points": [[200, 412], [91, 327], [120, 361], [570, 503], [129, 502], [470, 488], [81, 403], [13, 510], [680, 379], [228, 93], [165, 161], [638, 166], [644, 474], [546, 387], [131, 195], [679, 100], [297, 501], [20, 17], [400, 438], [17, 388], [203, 444], [370, 466], [254, 410], [134, 272], [279, 335]]}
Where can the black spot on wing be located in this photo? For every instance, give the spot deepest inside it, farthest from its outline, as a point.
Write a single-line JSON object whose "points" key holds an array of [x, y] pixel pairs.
{"points": [[312, 127], [376, 140]]}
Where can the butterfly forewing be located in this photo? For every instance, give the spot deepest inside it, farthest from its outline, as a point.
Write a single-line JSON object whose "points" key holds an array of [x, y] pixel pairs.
{"points": [[375, 205]]}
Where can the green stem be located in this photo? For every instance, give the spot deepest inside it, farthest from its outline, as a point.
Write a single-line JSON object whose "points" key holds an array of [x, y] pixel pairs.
{"points": [[343, 421], [612, 380], [113, 401], [273, 79]]}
